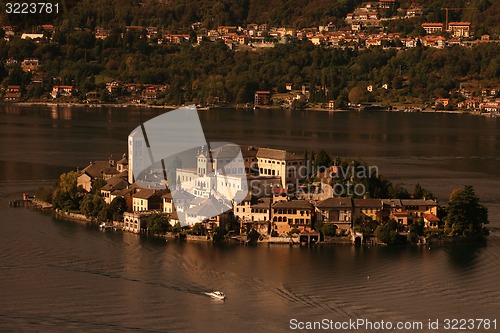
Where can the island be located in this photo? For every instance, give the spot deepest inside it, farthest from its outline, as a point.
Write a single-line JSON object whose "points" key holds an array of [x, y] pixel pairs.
{"points": [[285, 197]]}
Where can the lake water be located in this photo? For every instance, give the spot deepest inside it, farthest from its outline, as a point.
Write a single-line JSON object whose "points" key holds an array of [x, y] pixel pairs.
{"points": [[60, 276]]}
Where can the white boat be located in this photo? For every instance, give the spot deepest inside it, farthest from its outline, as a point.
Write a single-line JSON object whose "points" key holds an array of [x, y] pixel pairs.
{"points": [[216, 295]]}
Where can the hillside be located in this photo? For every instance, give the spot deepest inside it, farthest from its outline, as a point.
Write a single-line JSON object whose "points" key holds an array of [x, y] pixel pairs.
{"points": [[180, 14]]}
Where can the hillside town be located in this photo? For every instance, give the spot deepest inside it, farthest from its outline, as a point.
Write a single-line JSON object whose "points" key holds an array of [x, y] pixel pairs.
{"points": [[365, 28]]}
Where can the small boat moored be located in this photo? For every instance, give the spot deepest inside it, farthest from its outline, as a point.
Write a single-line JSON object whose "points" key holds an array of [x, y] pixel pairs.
{"points": [[216, 295]]}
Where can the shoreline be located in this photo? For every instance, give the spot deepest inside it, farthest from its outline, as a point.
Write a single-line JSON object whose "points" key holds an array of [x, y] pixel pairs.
{"points": [[235, 106], [81, 219]]}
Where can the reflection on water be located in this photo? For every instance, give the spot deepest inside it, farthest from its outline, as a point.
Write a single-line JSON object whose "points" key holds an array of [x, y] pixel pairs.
{"points": [[464, 256]]}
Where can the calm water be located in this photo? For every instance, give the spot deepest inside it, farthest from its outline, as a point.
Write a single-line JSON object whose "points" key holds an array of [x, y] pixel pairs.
{"points": [[60, 276]]}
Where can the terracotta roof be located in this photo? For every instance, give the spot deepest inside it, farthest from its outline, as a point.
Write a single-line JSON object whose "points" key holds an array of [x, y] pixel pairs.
{"points": [[335, 203], [431, 218]]}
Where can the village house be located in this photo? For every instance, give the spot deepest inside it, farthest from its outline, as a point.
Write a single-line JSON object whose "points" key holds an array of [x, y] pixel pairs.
{"points": [[96, 170], [113, 184], [147, 199], [101, 33], [432, 28], [386, 4], [368, 209], [136, 222], [290, 214], [30, 65], [259, 217], [434, 41], [459, 29], [113, 86], [442, 101], [413, 12], [469, 104], [262, 98], [416, 208], [61, 91], [337, 211], [150, 93], [431, 221], [12, 94], [167, 203], [290, 166], [491, 106]]}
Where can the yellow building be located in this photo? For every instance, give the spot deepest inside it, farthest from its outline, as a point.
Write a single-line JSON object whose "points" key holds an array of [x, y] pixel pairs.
{"points": [[368, 209], [146, 199], [291, 167], [287, 215]]}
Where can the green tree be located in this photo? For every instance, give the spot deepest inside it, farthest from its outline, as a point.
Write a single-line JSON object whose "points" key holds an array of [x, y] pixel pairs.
{"points": [[465, 216], [97, 184], [253, 236], [329, 229], [323, 159], [198, 229], [356, 95], [92, 204], [66, 195], [219, 234], [117, 207], [158, 224], [388, 233]]}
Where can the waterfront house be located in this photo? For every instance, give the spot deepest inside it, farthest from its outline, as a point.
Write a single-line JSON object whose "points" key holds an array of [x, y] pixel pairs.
{"points": [[431, 221], [262, 98], [367, 209], [61, 91], [331, 104], [12, 94], [442, 101], [147, 199], [259, 217], [136, 222], [337, 211], [417, 208], [290, 214], [242, 209]]}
